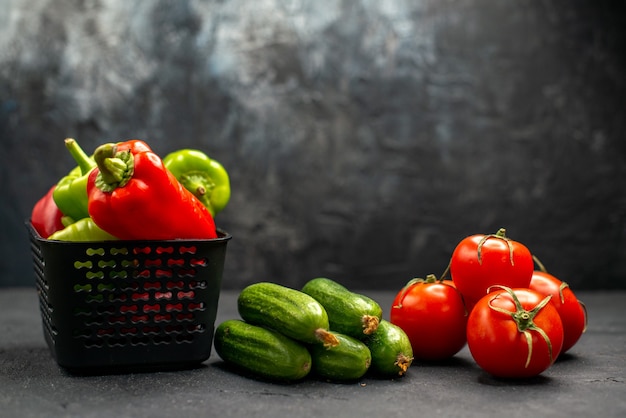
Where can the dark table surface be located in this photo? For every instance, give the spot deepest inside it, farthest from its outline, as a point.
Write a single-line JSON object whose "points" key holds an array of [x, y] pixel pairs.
{"points": [[589, 381]]}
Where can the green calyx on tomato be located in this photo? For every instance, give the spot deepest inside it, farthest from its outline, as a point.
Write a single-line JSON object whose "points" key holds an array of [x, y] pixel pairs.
{"points": [[432, 314], [431, 278], [572, 311], [543, 269], [480, 261], [524, 320], [564, 285], [583, 307], [502, 349], [501, 234]]}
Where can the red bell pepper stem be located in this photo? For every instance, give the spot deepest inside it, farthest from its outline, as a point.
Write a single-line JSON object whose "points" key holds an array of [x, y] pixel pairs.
{"points": [[116, 168]]}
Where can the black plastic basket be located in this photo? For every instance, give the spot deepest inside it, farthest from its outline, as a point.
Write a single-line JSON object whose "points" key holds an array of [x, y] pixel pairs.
{"points": [[128, 304]]}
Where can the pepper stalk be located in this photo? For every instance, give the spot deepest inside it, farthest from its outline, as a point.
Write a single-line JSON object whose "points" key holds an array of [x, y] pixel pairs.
{"points": [[70, 193]]}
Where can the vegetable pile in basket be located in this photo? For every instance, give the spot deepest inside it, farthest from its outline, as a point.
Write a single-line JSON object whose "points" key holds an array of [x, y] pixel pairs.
{"points": [[126, 191], [323, 329]]}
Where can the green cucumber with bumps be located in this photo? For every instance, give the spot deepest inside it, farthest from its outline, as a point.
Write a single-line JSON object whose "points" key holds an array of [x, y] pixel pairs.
{"points": [[391, 350], [286, 310], [260, 351], [348, 312], [349, 360]]}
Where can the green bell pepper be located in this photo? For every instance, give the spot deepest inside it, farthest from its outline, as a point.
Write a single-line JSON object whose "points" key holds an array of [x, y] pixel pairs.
{"points": [[206, 178], [70, 194], [82, 230]]}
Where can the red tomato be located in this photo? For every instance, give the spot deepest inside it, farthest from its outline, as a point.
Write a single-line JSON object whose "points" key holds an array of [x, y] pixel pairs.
{"points": [[572, 311], [433, 316], [481, 261], [514, 333]]}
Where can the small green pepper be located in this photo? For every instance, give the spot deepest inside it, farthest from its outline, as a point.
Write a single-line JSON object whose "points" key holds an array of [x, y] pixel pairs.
{"points": [[82, 230], [204, 177], [70, 194]]}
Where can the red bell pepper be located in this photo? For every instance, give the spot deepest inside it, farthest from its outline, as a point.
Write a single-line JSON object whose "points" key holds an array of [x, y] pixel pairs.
{"points": [[131, 195], [46, 215]]}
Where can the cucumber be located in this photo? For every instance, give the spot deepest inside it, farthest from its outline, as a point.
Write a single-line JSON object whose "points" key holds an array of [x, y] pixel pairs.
{"points": [[261, 351], [391, 350], [288, 311], [349, 360], [349, 313]]}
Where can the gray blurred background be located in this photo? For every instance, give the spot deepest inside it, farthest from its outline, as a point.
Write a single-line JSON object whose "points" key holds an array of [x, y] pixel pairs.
{"points": [[364, 139]]}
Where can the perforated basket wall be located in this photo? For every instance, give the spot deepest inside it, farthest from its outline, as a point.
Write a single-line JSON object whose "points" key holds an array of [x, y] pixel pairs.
{"points": [[128, 303]]}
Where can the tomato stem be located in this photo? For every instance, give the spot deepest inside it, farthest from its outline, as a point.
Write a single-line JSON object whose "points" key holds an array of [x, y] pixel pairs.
{"points": [[431, 278], [563, 285], [445, 272], [406, 288], [539, 264], [524, 320], [501, 234]]}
